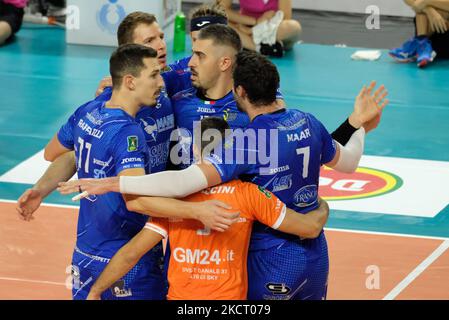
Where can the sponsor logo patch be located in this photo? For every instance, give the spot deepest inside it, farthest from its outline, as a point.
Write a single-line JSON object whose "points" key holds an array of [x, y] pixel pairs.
{"points": [[364, 183]]}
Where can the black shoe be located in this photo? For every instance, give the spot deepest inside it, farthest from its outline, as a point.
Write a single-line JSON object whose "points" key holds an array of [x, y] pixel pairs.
{"points": [[275, 50]]}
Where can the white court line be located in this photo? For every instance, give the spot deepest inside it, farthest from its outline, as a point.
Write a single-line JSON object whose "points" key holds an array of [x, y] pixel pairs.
{"points": [[418, 270], [404, 235], [33, 281], [65, 206], [330, 229]]}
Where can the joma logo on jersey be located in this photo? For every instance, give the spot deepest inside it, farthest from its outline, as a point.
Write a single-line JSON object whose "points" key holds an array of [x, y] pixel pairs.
{"points": [[205, 110], [128, 160], [364, 183], [295, 137]]}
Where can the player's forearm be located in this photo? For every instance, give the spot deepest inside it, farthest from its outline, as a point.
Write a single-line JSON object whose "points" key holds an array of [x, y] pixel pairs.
{"points": [[320, 215], [301, 225], [62, 169], [344, 132], [286, 7], [171, 184], [440, 4], [347, 157], [161, 207], [308, 225], [123, 261]]}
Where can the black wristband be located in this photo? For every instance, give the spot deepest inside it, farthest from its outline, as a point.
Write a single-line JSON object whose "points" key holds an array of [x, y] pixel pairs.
{"points": [[343, 132]]}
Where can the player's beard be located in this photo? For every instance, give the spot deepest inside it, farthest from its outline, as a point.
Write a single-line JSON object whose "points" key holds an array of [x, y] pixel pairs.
{"points": [[196, 82]]}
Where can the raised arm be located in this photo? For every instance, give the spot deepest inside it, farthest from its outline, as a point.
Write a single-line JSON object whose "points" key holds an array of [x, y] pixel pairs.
{"points": [[367, 112]]}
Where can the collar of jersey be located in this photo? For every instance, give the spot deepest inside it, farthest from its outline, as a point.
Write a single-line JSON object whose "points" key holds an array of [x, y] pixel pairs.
{"points": [[270, 113], [201, 96], [115, 110]]}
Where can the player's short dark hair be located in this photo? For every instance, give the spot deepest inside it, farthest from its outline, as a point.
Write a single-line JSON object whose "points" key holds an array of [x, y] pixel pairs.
{"points": [[221, 34], [125, 33], [258, 76], [128, 59], [216, 123], [213, 9]]}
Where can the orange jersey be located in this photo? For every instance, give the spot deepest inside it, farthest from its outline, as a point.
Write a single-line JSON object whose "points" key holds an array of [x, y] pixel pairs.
{"points": [[211, 265]]}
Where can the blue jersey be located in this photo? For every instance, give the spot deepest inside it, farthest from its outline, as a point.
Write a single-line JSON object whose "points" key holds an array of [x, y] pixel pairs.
{"points": [[157, 123], [298, 145], [189, 107], [106, 141], [181, 64], [177, 77]]}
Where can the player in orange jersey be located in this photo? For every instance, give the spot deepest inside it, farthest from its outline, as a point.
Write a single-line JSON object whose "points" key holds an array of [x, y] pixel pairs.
{"points": [[206, 264]]}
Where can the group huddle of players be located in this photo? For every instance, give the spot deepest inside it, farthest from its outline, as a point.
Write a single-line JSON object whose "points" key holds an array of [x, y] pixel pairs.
{"points": [[180, 152]]}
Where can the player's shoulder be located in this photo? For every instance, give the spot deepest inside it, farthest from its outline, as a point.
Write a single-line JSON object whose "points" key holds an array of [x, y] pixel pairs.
{"points": [[115, 122], [249, 190], [301, 118], [87, 107]]}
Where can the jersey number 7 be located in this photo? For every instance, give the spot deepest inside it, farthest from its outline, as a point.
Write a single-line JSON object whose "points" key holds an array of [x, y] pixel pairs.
{"points": [[306, 157]]}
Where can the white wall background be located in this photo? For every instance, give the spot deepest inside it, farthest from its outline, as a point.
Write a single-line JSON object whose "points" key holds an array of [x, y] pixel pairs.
{"points": [[387, 7]]}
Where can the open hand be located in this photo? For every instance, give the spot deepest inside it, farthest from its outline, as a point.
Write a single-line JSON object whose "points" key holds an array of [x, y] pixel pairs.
{"points": [[436, 21], [368, 107], [28, 203]]}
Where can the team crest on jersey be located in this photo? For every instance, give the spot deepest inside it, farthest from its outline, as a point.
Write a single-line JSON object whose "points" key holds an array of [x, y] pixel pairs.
{"points": [[167, 69], [364, 183], [265, 192], [133, 143]]}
